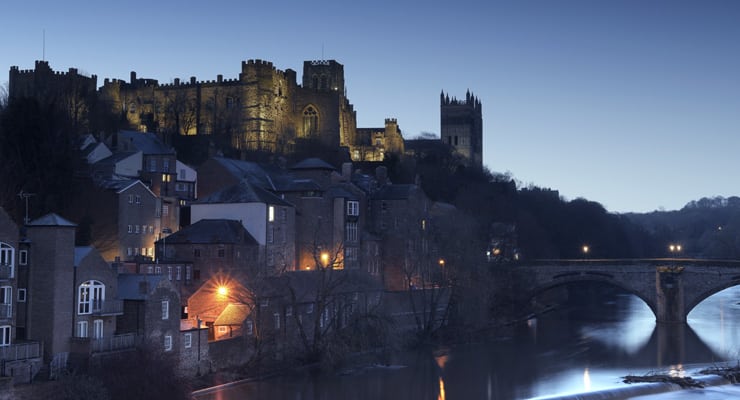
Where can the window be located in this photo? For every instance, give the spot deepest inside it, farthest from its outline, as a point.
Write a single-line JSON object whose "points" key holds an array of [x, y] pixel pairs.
{"points": [[196, 253], [6, 257], [131, 199], [137, 229], [188, 340], [188, 272], [276, 318], [230, 102], [270, 233], [158, 270], [169, 272], [166, 166], [270, 257], [289, 311], [151, 230], [351, 232], [350, 253], [310, 121], [130, 228], [353, 208], [167, 342], [21, 295], [221, 252], [309, 309], [222, 329], [152, 164], [271, 213], [23, 257], [82, 329], [98, 329], [165, 210], [90, 297], [265, 303], [283, 214], [5, 335], [179, 273], [250, 327], [143, 251], [129, 252], [138, 199], [165, 309], [6, 301], [149, 269], [150, 251]]}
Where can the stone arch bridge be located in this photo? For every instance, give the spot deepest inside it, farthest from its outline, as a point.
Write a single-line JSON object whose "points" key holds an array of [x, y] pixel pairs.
{"points": [[671, 287]]}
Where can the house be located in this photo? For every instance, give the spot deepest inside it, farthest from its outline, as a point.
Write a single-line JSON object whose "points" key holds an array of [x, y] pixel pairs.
{"points": [[20, 358], [208, 247], [70, 303], [269, 219]]}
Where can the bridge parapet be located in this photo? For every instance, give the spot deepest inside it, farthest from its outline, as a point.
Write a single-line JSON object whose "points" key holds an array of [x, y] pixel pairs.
{"points": [[671, 287]]}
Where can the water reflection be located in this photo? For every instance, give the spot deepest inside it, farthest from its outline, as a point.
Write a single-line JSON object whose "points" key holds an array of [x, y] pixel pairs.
{"points": [[562, 352]]}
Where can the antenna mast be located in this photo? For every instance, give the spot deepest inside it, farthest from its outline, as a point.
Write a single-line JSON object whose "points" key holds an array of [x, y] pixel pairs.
{"points": [[23, 195]]}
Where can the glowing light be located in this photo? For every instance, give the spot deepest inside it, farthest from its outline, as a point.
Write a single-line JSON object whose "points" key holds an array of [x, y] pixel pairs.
{"points": [[441, 262], [585, 249], [441, 389], [325, 258], [222, 291], [586, 380]]}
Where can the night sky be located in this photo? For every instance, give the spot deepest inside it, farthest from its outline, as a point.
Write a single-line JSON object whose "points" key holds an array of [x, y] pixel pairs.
{"points": [[634, 104]]}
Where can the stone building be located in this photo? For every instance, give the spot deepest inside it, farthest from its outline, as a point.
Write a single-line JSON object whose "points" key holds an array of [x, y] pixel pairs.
{"points": [[461, 125]]}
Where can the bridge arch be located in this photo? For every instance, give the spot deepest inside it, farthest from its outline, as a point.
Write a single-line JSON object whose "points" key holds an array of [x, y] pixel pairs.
{"points": [[698, 298], [559, 281]]}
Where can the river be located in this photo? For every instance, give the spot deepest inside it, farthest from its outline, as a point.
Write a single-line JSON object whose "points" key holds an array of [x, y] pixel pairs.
{"points": [[576, 349]]}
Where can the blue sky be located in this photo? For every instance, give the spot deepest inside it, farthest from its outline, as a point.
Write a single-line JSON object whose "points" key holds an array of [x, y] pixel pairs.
{"points": [[634, 104]]}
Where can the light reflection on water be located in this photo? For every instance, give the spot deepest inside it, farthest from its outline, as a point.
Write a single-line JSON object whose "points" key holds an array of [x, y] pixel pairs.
{"points": [[546, 356]]}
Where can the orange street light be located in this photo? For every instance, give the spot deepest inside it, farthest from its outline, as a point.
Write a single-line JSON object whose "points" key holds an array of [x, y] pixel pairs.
{"points": [[222, 291], [441, 262], [325, 258]]}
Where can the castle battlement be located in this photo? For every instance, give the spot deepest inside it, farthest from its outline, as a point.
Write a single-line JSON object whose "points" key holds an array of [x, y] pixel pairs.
{"points": [[391, 121]]}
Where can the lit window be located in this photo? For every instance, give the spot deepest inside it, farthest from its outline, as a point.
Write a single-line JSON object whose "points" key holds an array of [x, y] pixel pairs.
{"points": [[271, 213], [165, 309], [168, 342], [353, 208], [222, 329], [91, 295], [188, 339]]}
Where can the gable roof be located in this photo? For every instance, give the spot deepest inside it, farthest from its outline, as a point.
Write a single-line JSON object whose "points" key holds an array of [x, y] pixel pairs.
{"points": [[251, 171], [51, 219], [243, 192], [233, 314], [313, 163], [147, 142], [212, 231], [80, 253]]}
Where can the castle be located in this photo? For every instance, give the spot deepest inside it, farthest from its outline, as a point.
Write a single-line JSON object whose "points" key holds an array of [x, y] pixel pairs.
{"points": [[263, 109]]}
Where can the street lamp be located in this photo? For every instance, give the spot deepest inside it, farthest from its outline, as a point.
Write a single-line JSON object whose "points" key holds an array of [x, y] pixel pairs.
{"points": [[674, 248], [585, 249], [325, 259], [441, 262]]}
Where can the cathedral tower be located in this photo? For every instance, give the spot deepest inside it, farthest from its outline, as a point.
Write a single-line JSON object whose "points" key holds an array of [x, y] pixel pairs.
{"points": [[461, 126]]}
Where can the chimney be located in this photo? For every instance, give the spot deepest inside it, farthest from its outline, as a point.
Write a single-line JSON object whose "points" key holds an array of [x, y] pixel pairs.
{"points": [[346, 171]]}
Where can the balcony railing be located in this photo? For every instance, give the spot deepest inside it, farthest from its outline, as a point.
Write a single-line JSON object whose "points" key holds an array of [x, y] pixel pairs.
{"points": [[107, 307], [20, 351], [6, 271], [114, 343], [6, 311]]}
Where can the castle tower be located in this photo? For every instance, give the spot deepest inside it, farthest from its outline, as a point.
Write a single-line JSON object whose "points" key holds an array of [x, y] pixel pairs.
{"points": [[323, 75], [461, 126]]}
